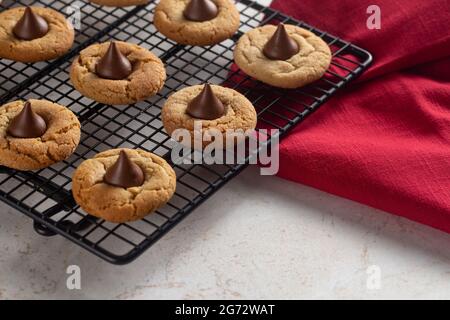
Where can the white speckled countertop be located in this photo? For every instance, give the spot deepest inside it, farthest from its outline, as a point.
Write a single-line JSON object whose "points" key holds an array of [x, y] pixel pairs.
{"points": [[274, 239]]}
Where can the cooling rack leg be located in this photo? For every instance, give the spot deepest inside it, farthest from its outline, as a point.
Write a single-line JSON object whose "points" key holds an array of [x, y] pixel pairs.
{"points": [[43, 230]]}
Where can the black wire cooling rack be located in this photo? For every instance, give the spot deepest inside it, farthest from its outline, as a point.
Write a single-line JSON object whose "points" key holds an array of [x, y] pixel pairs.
{"points": [[45, 195]]}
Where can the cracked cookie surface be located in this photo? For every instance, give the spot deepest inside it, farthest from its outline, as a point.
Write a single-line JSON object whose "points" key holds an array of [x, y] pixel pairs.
{"points": [[57, 144], [239, 113], [146, 80], [307, 66], [119, 3], [170, 21], [117, 204], [55, 43]]}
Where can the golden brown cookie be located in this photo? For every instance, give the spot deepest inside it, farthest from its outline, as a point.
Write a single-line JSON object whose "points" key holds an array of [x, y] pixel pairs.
{"points": [[170, 21], [57, 144], [239, 114], [55, 43], [117, 204], [146, 80], [308, 65], [119, 3]]}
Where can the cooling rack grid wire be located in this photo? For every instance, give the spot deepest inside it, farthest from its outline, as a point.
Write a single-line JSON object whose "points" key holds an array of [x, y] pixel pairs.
{"points": [[45, 195]]}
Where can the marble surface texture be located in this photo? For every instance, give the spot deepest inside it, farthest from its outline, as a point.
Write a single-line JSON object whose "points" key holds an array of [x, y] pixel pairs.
{"points": [[273, 239]]}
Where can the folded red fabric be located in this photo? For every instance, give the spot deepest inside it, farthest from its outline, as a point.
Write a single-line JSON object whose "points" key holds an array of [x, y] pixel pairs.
{"points": [[384, 141]]}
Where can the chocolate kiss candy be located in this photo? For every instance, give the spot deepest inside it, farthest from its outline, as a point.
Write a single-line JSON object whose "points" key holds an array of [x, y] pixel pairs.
{"points": [[30, 26], [206, 105], [281, 46], [200, 10], [114, 65], [27, 124], [124, 173]]}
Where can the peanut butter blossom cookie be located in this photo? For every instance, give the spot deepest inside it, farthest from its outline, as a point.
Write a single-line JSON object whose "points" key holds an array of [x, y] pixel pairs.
{"points": [[197, 22], [283, 56], [117, 73], [119, 3], [216, 108], [34, 34], [36, 134], [123, 185]]}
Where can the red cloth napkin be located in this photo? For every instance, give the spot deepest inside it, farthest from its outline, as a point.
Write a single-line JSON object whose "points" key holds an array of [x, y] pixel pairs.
{"points": [[384, 141]]}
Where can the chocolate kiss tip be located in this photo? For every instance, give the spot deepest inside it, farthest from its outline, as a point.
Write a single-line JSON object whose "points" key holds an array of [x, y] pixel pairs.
{"points": [[281, 46], [200, 10], [30, 26], [114, 65], [27, 124], [124, 173], [206, 105]]}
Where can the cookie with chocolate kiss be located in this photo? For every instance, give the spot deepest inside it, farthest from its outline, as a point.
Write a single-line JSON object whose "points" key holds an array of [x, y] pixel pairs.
{"points": [[94, 193], [284, 56], [215, 107], [31, 34], [36, 134], [197, 22], [117, 73]]}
